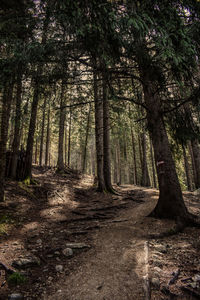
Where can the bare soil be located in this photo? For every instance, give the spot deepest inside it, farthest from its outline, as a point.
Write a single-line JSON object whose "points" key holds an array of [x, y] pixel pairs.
{"points": [[121, 260]]}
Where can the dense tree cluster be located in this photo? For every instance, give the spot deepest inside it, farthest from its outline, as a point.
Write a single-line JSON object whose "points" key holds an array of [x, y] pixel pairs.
{"points": [[115, 78]]}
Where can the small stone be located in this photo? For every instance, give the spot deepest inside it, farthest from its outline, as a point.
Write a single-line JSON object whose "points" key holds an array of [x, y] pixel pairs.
{"points": [[57, 253], [193, 285], [158, 270], [59, 268], [39, 241], [67, 252], [155, 283], [161, 248], [196, 278], [77, 245], [26, 262], [15, 296]]}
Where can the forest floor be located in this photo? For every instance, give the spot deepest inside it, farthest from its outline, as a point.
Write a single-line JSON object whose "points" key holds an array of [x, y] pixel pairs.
{"points": [[69, 242]]}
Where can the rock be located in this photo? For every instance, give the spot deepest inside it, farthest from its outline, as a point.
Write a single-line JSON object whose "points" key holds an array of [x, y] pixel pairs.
{"points": [[26, 262], [161, 248], [15, 296], [67, 252], [57, 253], [193, 285], [197, 192], [59, 268], [158, 270], [196, 278], [77, 245], [39, 241], [155, 281]]}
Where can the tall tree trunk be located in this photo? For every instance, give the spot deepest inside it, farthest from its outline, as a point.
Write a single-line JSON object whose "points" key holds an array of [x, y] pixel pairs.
{"points": [[42, 132], [31, 133], [86, 140], [135, 176], [193, 165], [65, 146], [69, 139], [196, 157], [145, 172], [47, 137], [170, 203], [18, 116], [106, 139], [153, 165], [6, 101], [187, 169], [99, 135], [61, 128]]}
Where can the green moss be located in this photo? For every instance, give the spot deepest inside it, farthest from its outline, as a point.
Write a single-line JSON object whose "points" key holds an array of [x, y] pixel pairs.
{"points": [[5, 223], [16, 278]]}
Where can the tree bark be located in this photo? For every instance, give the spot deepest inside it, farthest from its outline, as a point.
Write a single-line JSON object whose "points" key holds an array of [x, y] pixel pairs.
{"points": [[196, 157], [153, 165], [170, 203], [99, 135], [187, 170], [69, 139], [47, 137], [42, 132], [106, 139], [145, 172], [135, 177], [6, 101], [61, 129], [32, 125], [86, 140], [18, 116]]}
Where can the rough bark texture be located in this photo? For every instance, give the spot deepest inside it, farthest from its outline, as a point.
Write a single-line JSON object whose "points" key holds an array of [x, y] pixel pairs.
{"points": [[153, 165], [86, 140], [42, 132], [47, 138], [196, 157], [106, 140], [170, 203], [187, 170], [69, 139], [32, 125], [99, 135], [18, 115], [61, 129], [135, 174], [145, 172], [6, 101]]}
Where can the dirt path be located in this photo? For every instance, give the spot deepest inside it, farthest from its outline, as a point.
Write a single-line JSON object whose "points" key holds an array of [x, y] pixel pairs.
{"points": [[119, 256], [115, 266]]}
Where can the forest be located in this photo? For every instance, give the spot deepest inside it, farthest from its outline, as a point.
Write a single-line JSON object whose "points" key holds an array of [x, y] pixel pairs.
{"points": [[99, 147]]}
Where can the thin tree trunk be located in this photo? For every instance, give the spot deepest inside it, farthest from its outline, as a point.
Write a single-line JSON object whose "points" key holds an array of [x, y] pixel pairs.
{"points": [[69, 139], [65, 146], [47, 137], [196, 157], [193, 165], [42, 132], [18, 116], [61, 128], [32, 125], [106, 140], [135, 176], [153, 165], [187, 169], [86, 140], [99, 135], [145, 172], [6, 106]]}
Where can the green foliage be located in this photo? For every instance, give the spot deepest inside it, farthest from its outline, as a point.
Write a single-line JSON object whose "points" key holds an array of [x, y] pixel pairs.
{"points": [[16, 279]]}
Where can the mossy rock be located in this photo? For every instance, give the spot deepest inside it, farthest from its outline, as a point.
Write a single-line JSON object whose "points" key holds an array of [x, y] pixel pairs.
{"points": [[16, 278]]}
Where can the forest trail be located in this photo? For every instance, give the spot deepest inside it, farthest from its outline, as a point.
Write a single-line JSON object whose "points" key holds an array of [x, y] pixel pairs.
{"points": [[115, 266], [114, 253]]}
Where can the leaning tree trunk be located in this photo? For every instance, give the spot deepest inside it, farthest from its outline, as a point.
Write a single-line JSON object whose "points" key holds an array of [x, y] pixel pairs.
{"points": [[170, 203], [6, 106], [106, 140], [61, 129], [99, 135]]}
